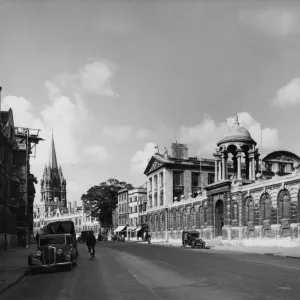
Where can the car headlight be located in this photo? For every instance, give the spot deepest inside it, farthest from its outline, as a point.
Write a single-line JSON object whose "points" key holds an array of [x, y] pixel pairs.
{"points": [[59, 251], [38, 253]]}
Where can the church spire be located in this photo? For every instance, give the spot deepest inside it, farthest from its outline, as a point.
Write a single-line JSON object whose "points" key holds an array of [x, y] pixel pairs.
{"points": [[52, 157]]}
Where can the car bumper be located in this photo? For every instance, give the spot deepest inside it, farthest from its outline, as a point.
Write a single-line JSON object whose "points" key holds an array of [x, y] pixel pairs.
{"points": [[36, 264]]}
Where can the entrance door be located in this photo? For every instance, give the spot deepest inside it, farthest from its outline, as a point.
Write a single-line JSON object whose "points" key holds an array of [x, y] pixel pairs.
{"points": [[219, 218]]}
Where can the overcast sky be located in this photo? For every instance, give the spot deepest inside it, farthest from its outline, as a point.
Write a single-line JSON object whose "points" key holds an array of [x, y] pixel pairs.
{"points": [[112, 78]]}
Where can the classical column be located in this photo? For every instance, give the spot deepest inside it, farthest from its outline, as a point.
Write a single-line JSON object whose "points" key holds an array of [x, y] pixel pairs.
{"points": [[220, 170], [224, 165], [251, 165], [216, 170], [239, 165], [217, 166], [235, 163]]}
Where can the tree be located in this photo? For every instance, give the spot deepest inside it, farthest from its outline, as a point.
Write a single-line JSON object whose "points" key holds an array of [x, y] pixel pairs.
{"points": [[100, 200]]}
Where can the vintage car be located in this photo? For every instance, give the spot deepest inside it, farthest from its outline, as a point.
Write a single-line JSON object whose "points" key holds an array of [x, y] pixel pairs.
{"points": [[191, 238], [54, 250]]}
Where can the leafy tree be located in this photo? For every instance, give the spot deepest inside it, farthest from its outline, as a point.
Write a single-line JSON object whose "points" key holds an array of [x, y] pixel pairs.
{"points": [[100, 200]]}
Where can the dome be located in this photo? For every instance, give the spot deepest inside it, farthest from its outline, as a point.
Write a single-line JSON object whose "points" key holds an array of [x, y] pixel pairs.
{"points": [[237, 133]]}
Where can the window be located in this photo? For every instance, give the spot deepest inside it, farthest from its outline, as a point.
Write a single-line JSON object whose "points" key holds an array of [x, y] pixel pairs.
{"points": [[178, 178], [211, 178], [161, 179], [161, 198], [284, 204], [135, 199], [150, 184], [265, 207], [155, 182], [195, 179], [282, 168]]}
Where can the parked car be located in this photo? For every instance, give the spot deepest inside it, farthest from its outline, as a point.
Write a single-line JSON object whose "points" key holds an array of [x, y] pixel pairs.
{"points": [[192, 238], [54, 250]]}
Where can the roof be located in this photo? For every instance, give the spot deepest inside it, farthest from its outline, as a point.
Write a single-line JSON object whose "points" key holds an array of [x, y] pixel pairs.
{"points": [[52, 157], [281, 155], [56, 234], [237, 133]]}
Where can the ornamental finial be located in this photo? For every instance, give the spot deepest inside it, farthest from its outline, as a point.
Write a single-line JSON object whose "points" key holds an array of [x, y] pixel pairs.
{"points": [[236, 120]]}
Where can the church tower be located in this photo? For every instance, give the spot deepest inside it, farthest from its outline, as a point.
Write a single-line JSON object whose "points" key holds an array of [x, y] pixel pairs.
{"points": [[53, 185]]}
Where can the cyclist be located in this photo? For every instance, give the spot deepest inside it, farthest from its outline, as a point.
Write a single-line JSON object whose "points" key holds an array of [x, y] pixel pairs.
{"points": [[91, 242]]}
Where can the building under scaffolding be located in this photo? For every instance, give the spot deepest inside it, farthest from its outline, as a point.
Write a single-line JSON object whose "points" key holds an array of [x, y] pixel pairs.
{"points": [[27, 139]]}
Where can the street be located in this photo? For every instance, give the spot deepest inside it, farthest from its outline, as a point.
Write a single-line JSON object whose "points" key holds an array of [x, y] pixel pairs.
{"points": [[141, 271]]}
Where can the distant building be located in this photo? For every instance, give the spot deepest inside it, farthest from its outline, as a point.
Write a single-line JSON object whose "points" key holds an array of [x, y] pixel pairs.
{"points": [[136, 197], [53, 186]]}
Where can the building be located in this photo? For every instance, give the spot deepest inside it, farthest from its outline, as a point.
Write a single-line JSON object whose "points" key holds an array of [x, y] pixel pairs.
{"points": [[248, 198], [53, 186], [136, 197], [122, 211], [76, 214], [16, 182]]}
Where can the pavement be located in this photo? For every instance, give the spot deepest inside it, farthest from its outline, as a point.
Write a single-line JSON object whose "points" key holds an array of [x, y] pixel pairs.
{"points": [[14, 266], [123, 271], [290, 252]]}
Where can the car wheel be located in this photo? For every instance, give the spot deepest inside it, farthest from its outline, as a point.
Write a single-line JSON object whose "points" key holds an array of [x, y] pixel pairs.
{"points": [[70, 266], [75, 263]]}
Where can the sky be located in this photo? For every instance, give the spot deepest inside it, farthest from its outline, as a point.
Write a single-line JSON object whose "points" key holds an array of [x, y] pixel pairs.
{"points": [[113, 78]]}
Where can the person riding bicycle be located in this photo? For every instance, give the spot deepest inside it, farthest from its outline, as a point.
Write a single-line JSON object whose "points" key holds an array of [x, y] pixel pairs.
{"points": [[91, 242]]}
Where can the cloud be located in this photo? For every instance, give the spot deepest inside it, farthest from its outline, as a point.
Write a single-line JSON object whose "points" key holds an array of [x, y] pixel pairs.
{"points": [[140, 158], [272, 21], [288, 94], [143, 133], [69, 118], [118, 133], [93, 78], [96, 152], [123, 133], [207, 133]]}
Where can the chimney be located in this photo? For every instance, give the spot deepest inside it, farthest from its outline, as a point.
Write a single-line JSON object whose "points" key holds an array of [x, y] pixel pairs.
{"points": [[179, 151]]}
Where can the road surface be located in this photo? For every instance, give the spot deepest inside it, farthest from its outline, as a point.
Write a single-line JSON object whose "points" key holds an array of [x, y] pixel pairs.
{"points": [[148, 272]]}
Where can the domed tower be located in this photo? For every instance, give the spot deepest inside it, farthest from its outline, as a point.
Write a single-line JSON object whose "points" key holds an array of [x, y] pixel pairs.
{"points": [[53, 184], [239, 147]]}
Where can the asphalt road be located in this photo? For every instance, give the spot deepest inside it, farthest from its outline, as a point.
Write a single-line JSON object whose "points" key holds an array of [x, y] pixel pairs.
{"points": [[141, 271]]}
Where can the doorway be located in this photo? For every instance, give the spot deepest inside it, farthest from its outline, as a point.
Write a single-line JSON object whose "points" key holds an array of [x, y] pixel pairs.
{"points": [[219, 218]]}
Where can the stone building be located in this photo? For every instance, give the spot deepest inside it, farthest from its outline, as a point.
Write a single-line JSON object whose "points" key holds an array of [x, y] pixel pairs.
{"points": [[73, 213], [53, 186], [248, 199], [136, 197], [122, 211]]}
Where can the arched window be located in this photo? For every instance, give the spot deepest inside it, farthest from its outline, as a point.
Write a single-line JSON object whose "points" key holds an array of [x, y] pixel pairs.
{"points": [[162, 222], [284, 204], [265, 207], [155, 222], [170, 220], [205, 214], [184, 214], [193, 217], [177, 219], [234, 211], [201, 213]]}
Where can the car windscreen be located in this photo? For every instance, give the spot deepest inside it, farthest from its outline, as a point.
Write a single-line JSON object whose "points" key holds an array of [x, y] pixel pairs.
{"points": [[52, 240], [194, 235]]}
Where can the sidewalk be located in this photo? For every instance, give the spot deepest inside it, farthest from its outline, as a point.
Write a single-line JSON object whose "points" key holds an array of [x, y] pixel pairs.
{"points": [[293, 252], [14, 266]]}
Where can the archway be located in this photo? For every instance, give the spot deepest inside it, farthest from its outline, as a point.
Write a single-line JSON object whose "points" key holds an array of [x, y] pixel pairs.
{"points": [[219, 218]]}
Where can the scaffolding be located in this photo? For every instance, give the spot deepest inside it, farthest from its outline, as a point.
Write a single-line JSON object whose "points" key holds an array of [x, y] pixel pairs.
{"points": [[27, 139]]}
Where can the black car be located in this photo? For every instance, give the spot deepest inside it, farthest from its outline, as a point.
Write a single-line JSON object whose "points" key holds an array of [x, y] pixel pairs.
{"points": [[192, 238]]}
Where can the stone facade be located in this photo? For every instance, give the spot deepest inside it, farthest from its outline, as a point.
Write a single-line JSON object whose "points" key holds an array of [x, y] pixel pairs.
{"points": [[248, 201], [53, 187]]}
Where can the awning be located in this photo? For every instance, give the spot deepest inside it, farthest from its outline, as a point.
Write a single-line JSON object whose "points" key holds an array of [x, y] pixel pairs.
{"points": [[138, 228], [132, 228], [119, 228]]}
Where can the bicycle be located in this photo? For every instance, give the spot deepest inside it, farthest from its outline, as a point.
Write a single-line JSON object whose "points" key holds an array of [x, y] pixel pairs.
{"points": [[92, 253]]}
